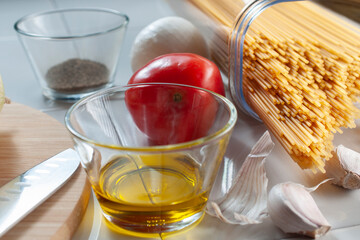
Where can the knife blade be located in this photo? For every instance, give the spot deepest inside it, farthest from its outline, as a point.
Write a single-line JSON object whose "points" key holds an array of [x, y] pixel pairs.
{"points": [[27, 191]]}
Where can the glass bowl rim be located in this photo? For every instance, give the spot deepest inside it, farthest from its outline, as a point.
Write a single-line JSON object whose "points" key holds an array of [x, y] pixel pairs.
{"points": [[228, 127], [64, 37]]}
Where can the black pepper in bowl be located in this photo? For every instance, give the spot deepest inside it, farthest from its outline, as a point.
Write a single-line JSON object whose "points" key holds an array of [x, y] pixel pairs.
{"points": [[77, 75]]}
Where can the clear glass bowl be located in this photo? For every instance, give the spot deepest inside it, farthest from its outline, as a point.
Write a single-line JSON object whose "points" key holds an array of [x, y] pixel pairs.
{"points": [[73, 52], [152, 152]]}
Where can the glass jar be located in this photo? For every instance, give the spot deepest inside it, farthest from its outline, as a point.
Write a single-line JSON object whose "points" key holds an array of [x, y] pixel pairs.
{"points": [[226, 24], [294, 65]]}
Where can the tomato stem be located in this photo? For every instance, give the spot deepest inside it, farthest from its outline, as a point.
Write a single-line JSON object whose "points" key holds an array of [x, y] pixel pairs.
{"points": [[177, 97]]}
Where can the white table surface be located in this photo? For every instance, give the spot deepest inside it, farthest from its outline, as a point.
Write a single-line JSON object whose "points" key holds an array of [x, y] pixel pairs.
{"points": [[340, 207]]}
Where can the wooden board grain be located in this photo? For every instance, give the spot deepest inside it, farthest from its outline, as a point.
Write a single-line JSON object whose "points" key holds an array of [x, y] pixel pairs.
{"points": [[27, 137]]}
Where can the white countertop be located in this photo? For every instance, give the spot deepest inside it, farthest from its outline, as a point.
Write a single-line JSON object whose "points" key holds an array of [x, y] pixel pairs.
{"points": [[340, 207]]}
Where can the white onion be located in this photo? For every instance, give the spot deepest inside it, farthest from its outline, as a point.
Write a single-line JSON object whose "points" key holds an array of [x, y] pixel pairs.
{"points": [[166, 35]]}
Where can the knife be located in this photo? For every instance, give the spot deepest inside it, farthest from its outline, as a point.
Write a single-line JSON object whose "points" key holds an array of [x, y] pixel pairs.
{"points": [[27, 191]]}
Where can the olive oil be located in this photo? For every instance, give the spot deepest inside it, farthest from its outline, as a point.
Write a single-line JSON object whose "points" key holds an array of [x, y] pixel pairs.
{"points": [[151, 193]]}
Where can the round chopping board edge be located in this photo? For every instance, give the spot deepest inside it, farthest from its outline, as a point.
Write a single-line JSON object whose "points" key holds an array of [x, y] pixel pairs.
{"points": [[28, 137]]}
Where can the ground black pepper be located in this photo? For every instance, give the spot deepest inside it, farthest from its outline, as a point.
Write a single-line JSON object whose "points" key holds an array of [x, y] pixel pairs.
{"points": [[76, 75]]}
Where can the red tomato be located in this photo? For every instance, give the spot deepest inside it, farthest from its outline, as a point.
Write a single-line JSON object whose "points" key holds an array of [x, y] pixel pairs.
{"points": [[182, 68], [168, 114]]}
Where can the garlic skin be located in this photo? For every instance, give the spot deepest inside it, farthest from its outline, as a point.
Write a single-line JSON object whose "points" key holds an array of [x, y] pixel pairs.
{"points": [[166, 35], [245, 202], [293, 210], [344, 168]]}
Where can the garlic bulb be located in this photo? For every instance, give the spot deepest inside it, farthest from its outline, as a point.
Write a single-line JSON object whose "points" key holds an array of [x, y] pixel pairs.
{"points": [[344, 168], [293, 210], [245, 202], [166, 35]]}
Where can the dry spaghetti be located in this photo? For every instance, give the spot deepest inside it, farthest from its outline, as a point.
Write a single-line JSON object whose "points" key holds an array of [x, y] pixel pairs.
{"points": [[301, 73]]}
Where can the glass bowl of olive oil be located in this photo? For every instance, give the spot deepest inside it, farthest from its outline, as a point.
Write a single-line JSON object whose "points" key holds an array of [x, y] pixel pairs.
{"points": [[151, 152]]}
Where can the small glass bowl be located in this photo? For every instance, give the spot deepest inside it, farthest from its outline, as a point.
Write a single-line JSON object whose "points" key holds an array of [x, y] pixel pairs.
{"points": [[151, 152], [73, 52]]}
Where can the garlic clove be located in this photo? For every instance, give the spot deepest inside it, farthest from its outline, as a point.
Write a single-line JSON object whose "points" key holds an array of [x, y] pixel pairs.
{"points": [[292, 208], [245, 202], [344, 168]]}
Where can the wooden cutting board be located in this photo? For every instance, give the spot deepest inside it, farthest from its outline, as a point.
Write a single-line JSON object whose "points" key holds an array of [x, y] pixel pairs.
{"points": [[27, 137]]}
